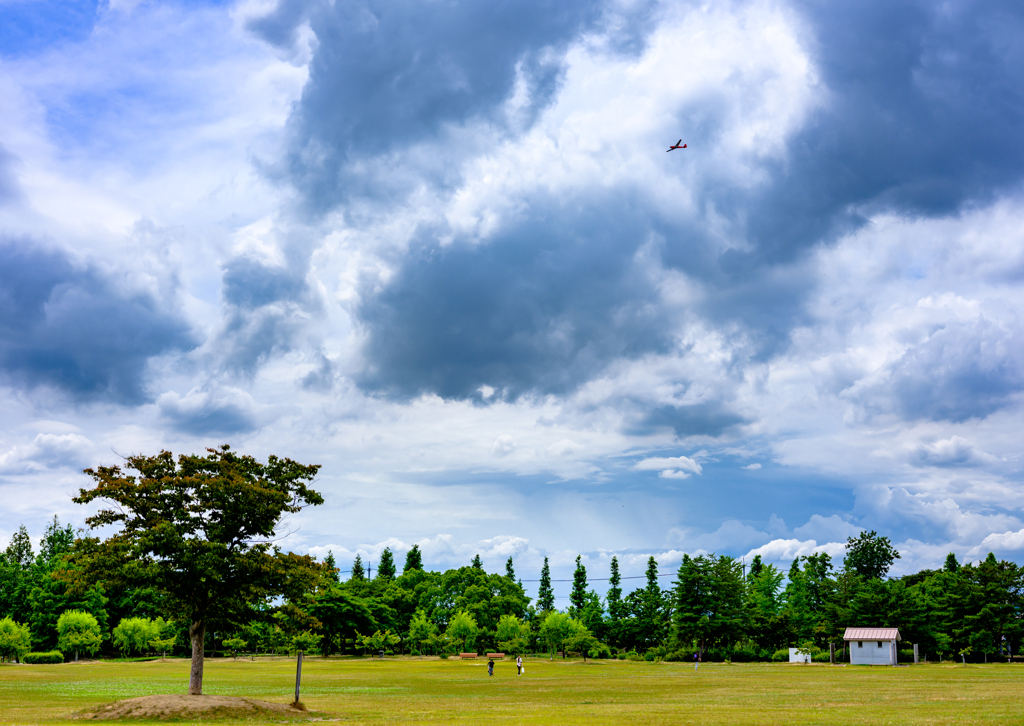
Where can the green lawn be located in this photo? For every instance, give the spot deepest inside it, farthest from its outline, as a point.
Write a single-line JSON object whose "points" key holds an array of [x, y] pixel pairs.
{"points": [[412, 691]]}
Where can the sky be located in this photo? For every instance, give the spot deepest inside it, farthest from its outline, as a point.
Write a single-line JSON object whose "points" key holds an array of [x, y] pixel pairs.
{"points": [[438, 248]]}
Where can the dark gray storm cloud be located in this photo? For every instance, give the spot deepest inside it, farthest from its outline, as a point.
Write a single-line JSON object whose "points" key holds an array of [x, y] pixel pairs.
{"points": [[709, 419], [921, 116], [963, 371], [388, 74], [249, 284], [70, 327], [203, 412], [925, 103], [266, 306], [541, 307]]}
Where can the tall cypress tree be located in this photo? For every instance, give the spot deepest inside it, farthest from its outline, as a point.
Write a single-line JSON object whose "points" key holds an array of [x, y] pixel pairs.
{"points": [[19, 551], [578, 596], [545, 595], [332, 566], [477, 563], [510, 573], [651, 620], [358, 573], [614, 596], [413, 560], [386, 569]]}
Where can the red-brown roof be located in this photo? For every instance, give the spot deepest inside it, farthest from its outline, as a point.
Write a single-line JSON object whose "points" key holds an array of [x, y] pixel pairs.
{"points": [[872, 634]]}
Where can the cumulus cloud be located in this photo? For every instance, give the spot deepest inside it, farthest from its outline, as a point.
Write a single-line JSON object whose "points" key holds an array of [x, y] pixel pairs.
{"points": [[1003, 544], [201, 411], [952, 452], [503, 445], [449, 238], [827, 529], [71, 327], [784, 551], [672, 467], [48, 451]]}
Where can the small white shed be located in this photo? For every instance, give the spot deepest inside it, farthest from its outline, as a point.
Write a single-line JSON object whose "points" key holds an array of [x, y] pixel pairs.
{"points": [[872, 646], [795, 656]]}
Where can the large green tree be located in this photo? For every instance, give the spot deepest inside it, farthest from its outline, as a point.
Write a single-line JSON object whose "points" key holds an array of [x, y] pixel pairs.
{"points": [[200, 530], [869, 555], [710, 607]]}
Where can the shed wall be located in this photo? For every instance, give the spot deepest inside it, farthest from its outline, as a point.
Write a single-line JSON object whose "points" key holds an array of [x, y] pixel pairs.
{"points": [[871, 654]]}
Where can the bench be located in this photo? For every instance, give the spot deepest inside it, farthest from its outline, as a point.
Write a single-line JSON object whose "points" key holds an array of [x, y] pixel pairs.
{"points": [[496, 656], [467, 655]]}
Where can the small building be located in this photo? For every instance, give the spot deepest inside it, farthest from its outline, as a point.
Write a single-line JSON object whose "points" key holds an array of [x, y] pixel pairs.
{"points": [[872, 646], [798, 656]]}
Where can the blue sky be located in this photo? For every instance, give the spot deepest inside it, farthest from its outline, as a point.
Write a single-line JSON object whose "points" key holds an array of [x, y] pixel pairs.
{"points": [[439, 248]]}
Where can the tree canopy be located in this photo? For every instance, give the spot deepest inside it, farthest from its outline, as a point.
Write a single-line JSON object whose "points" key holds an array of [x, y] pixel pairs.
{"points": [[869, 555], [199, 530]]}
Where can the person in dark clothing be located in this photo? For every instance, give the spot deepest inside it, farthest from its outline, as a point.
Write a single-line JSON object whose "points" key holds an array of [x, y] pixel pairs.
{"points": [[490, 667]]}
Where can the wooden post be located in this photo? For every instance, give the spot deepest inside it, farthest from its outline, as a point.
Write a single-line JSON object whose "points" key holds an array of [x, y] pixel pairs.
{"points": [[916, 661], [298, 676], [832, 653]]}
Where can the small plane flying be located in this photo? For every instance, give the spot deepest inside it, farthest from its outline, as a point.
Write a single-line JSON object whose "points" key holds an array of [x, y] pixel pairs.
{"points": [[676, 146]]}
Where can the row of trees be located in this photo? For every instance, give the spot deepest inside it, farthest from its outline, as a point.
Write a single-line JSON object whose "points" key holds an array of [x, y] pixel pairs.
{"points": [[193, 543], [713, 604]]}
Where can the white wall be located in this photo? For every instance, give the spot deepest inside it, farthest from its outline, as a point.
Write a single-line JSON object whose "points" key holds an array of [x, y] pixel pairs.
{"points": [[869, 652], [795, 657]]}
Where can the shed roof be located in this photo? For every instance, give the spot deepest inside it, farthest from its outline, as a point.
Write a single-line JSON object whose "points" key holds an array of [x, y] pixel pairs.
{"points": [[872, 634]]}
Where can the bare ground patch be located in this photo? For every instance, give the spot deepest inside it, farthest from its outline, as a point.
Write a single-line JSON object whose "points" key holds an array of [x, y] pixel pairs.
{"points": [[181, 707]]}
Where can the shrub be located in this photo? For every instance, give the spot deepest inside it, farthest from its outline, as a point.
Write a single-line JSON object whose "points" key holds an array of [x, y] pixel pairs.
{"points": [[600, 650], [15, 639], [132, 635], [743, 655], [78, 630], [52, 656], [444, 656], [306, 641], [781, 655]]}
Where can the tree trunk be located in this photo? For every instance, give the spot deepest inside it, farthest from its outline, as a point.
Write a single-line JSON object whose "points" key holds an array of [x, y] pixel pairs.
{"points": [[197, 634]]}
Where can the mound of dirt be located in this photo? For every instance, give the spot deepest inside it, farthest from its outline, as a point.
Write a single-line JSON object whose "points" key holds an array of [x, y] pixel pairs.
{"points": [[178, 707]]}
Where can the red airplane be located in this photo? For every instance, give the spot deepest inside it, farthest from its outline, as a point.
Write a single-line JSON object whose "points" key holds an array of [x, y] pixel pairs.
{"points": [[676, 146]]}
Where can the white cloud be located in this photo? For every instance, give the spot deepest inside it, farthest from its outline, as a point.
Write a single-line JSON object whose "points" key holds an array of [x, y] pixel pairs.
{"points": [[786, 550], [503, 445], [673, 467], [831, 528]]}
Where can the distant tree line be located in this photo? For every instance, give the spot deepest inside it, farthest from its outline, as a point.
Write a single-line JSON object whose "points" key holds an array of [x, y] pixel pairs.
{"points": [[713, 604], [192, 567]]}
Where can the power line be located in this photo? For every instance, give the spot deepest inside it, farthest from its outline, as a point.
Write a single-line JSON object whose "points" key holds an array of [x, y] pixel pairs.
{"points": [[589, 579], [608, 579]]}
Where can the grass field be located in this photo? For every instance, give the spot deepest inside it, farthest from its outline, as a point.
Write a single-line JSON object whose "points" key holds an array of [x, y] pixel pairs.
{"points": [[413, 691]]}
